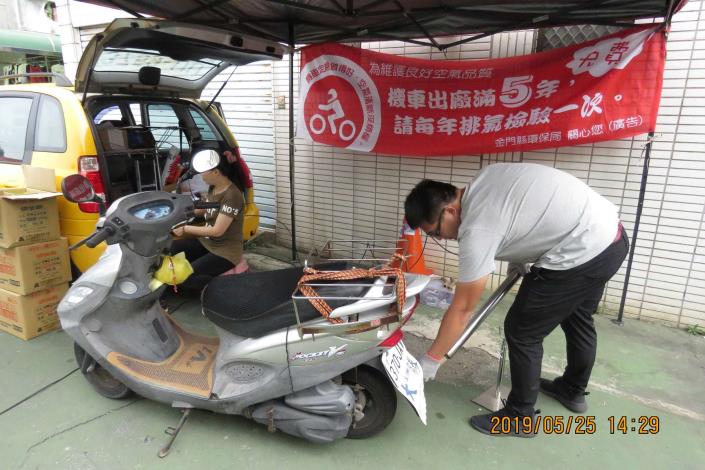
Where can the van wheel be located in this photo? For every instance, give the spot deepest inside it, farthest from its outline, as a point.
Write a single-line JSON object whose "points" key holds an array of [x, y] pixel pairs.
{"points": [[375, 401], [99, 378]]}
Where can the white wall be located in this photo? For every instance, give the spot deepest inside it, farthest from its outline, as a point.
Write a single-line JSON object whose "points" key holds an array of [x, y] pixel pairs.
{"points": [[343, 195], [9, 17], [248, 106], [33, 17], [72, 16], [26, 15]]}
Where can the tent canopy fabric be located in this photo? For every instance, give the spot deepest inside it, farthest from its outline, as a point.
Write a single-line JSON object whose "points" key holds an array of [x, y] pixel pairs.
{"points": [[316, 21]]}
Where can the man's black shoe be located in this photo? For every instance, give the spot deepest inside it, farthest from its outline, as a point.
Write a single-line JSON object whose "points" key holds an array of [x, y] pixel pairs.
{"points": [[574, 401], [505, 422]]}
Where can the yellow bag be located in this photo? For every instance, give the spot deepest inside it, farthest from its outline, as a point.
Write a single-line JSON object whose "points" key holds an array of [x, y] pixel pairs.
{"points": [[173, 270]]}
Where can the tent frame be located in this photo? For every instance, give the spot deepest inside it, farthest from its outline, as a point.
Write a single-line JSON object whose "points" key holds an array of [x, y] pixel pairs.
{"points": [[415, 16]]}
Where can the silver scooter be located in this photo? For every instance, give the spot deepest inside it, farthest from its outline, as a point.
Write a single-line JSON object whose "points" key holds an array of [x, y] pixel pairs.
{"points": [[275, 359]]}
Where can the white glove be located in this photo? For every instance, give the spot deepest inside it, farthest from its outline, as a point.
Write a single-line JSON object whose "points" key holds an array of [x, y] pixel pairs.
{"points": [[521, 268], [429, 366]]}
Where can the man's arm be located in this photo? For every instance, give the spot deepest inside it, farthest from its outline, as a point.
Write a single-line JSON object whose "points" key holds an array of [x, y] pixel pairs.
{"points": [[457, 317]]}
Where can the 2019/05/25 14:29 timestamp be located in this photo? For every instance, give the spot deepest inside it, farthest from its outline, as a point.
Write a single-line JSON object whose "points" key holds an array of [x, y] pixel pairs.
{"points": [[643, 425]]}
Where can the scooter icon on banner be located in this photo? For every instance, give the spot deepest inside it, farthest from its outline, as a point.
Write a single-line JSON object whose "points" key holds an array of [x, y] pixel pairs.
{"points": [[317, 123]]}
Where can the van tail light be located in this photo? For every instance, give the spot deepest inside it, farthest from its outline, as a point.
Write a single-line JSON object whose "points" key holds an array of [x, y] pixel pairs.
{"points": [[392, 340], [88, 166]]}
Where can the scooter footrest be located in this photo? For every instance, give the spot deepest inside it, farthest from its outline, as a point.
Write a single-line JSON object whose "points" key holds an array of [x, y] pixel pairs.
{"points": [[189, 370]]}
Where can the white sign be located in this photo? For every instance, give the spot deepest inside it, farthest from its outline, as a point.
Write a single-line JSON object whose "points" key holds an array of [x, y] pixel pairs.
{"points": [[405, 373]]}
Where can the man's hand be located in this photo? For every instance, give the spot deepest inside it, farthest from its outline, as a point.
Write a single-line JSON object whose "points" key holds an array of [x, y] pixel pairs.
{"points": [[520, 268], [429, 366]]}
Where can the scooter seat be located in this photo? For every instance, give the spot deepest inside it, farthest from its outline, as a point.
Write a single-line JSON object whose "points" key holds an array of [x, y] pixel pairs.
{"points": [[255, 304]]}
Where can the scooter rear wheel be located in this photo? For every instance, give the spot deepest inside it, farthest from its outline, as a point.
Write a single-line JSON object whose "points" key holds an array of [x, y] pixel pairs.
{"points": [[379, 397], [100, 379]]}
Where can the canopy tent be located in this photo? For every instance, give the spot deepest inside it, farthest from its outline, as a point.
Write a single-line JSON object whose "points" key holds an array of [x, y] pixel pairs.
{"points": [[425, 22], [315, 21]]}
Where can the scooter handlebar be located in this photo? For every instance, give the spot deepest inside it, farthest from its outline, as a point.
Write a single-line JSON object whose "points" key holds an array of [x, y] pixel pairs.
{"points": [[99, 236]]}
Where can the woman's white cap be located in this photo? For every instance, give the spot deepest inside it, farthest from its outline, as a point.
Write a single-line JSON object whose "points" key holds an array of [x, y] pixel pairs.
{"points": [[205, 160]]}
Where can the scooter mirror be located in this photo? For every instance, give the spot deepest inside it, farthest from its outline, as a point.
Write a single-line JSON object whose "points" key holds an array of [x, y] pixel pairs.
{"points": [[77, 188]]}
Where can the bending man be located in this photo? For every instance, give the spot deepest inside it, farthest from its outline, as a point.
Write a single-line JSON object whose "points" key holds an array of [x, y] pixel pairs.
{"points": [[526, 214]]}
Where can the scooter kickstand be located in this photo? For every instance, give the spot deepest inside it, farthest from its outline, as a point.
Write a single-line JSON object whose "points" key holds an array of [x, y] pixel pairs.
{"points": [[173, 432]]}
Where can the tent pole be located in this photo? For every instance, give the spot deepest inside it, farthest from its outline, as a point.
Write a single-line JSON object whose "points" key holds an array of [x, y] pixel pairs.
{"points": [[632, 247], [291, 142]]}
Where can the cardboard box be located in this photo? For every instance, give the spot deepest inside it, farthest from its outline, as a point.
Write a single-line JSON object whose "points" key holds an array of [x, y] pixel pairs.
{"points": [[30, 214], [27, 316], [29, 268], [113, 138]]}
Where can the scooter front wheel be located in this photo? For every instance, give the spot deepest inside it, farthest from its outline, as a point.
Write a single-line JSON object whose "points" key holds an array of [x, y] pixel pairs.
{"points": [[99, 378], [375, 401]]}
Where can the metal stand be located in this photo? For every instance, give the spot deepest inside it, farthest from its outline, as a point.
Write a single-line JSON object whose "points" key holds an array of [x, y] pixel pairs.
{"points": [[484, 311], [491, 398], [173, 432], [154, 159], [639, 206]]}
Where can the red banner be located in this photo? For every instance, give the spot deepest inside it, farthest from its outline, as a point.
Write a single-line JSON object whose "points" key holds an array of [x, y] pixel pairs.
{"points": [[604, 89]]}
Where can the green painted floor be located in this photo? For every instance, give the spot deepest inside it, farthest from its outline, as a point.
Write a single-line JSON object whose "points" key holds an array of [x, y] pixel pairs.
{"points": [[642, 370]]}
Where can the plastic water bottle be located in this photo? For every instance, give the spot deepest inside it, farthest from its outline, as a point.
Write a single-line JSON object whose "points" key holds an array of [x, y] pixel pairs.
{"points": [[435, 295]]}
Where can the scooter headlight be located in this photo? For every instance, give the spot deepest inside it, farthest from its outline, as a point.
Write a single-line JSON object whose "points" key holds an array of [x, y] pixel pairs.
{"points": [[78, 294]]}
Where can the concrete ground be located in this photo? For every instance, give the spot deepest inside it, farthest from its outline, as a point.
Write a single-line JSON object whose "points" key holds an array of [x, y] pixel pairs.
{"points": [[642, 369]]}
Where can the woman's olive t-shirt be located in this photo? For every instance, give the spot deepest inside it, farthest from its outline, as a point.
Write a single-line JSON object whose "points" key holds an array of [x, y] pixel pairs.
{"points": [[232, 204]]}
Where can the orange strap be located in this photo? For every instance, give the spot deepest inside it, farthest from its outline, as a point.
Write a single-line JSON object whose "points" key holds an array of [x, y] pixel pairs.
{"points": [[322, 306]]}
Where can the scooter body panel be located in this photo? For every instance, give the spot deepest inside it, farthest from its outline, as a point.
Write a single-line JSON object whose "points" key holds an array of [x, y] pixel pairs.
{"points": [[111, 310]]}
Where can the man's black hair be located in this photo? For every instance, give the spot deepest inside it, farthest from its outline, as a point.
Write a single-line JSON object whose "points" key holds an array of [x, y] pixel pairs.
{"points": [[425, 201]]}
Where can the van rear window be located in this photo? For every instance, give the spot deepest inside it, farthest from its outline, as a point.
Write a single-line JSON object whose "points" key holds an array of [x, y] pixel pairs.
{"points": [[204, 128], [132, 60], [13, 127], [50, 132]]}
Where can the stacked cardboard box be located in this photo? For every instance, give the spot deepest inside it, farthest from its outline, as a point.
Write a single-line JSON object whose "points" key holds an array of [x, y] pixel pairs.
{"points": [[34, 261]]}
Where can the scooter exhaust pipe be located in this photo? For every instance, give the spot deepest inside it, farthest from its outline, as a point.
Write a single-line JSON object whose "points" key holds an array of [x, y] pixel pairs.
{"points": [[484, 312]]}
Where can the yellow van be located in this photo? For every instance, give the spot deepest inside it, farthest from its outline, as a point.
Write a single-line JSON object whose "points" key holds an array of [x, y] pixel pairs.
{"points": [[134, 112]]}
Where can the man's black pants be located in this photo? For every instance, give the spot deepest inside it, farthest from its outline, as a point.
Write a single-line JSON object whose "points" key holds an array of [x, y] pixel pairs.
{"points": [[549, 298]]}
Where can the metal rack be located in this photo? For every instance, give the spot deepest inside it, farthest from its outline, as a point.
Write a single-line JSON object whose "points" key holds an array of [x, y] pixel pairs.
{"points": [[151, 154], [356, 254], [363, 252], [137, 156]]}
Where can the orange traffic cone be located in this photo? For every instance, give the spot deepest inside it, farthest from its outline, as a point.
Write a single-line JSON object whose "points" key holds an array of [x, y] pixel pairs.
{"points": [[410, 244]]}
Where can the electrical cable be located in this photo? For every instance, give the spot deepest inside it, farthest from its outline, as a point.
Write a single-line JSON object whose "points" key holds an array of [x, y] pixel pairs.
{"points": [[443, 247], [288, 357], [37, 392], [423, 249]]}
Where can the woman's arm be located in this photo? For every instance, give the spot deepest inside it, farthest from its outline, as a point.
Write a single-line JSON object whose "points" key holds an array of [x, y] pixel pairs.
{"points": [[222, 222]]}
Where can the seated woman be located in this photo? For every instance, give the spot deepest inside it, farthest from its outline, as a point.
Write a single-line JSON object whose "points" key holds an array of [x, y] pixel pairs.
{"points": [[218, 245]]}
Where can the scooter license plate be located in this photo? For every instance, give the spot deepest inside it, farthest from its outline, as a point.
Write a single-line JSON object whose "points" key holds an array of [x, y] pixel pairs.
{"points": [[405, 373]]}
